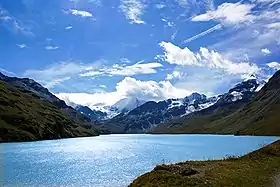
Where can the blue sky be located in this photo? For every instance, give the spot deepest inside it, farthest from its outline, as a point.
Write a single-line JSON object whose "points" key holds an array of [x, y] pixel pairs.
{"points": [[95, 52]]}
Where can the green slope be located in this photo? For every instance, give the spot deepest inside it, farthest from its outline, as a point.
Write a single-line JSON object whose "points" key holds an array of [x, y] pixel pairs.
{"points": [[255, 169], [25, 117], [259, 117]]}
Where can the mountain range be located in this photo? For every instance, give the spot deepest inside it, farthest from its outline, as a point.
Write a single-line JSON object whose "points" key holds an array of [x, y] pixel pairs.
{"points": [[255, 114], [28, 111], [153, 114]]}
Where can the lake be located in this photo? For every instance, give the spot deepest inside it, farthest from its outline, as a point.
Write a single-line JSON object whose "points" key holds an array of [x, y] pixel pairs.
{"points": [[111, 160]]}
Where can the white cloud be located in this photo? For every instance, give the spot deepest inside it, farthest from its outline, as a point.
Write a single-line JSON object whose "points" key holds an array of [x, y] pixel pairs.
{"points": [[275, 25], [133, 10], [138, 68], [81, 13], [229, 14], [160, 6], [54, 82], [102, 86], [95, 2], [57, 73], [204, 58], [128, 87], [50, 47], [215, 28], [247, 41], [60, 72], [175, 55], [266, 2], [174, 75], [69, 27], [6, 72], [266, 51], [21, 46], [168, 23], [124, 70], [274, 65], [14, 24]]}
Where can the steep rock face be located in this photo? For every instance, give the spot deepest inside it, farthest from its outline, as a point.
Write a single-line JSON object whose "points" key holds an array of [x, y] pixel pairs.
{"points": [[94, 115], [259, 116], [24, 116]]}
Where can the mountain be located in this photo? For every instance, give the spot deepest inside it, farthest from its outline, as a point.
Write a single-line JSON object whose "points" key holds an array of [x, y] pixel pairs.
{"points": [[29, 85], [153, 115], [25, 116], [260, 116], [94, 115], [127, 104], [150, 114]]}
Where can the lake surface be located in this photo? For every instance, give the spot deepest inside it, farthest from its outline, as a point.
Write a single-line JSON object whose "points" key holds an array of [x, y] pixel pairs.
{"points": [[111, 160]]}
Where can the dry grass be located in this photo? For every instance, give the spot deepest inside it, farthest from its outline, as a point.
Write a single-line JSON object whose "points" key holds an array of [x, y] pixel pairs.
{"points": [[252, 170]]}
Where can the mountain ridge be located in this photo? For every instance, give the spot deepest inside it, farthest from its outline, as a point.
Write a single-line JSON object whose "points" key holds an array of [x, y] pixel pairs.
{"points": [[152, 114], [24, 116], [256, 117], [28, 111]]}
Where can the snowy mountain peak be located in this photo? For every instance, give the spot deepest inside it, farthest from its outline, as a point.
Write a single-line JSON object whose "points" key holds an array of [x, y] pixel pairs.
{"points": [[127, 104], [248, 85], [194, 97]]}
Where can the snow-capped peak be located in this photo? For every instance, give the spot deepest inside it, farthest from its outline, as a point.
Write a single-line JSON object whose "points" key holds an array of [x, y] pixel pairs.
{"points": [[128, 104]]}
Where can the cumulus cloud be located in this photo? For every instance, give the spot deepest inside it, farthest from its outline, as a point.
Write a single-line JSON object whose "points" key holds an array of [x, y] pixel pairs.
{"points": [[81, 13], [228, 14], [69, 27], [128, 87], [21, 46], [266, 51], [133, 10], [174, 75], [274, 65], [175, 55], [204, 58], [124, 70]]}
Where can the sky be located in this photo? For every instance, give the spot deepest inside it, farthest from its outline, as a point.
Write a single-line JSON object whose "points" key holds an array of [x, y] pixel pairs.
{"points": [[96, 52]]}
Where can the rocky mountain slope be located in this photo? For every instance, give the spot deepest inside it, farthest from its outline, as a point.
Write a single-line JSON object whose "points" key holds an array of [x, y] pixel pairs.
{"points": [[258, 117], [94, 115], [26, 84], [28, 111], [153, 114], [24, 116]]}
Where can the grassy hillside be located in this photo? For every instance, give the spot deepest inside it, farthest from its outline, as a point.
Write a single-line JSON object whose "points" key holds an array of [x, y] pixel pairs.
{"points": [[259, 117], [25, 117], [258, 168]]}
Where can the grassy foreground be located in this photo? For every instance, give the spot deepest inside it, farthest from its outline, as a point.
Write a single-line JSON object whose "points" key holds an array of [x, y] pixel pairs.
{"points": [[255, 169]]}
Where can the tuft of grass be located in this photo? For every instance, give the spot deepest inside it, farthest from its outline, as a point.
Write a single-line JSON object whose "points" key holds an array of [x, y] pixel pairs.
{"points": [[254, 169]]}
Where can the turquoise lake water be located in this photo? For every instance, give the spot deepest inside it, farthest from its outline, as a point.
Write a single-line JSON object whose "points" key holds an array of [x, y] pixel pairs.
{"points": [[111, 160]]}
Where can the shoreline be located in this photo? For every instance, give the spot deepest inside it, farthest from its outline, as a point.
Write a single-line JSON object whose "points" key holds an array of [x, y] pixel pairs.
{"points": [[258, 168]]}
